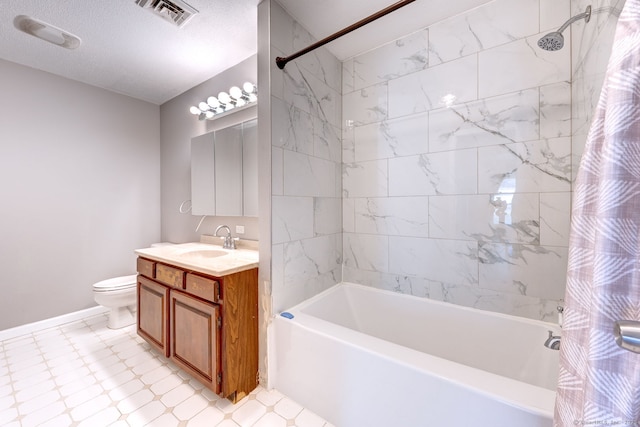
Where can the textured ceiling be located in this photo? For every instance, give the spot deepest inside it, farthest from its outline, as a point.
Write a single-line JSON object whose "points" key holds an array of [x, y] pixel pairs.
{"points": [[128, 49]]}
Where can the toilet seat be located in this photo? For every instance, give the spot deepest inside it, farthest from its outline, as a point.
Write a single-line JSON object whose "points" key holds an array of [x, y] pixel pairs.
{"points": [[116, 284]]}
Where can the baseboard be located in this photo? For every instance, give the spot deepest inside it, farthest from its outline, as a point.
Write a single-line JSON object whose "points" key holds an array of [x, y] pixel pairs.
{"points": [[29, 328]]}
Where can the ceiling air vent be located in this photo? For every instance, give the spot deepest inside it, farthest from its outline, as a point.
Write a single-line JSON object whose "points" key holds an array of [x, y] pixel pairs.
{"points": [[174, 11]]}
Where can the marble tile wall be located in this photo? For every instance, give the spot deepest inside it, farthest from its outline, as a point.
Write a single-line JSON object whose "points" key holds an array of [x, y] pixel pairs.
{"points": [[306, 153], [457, 161], [440, 164], [591, 47]]}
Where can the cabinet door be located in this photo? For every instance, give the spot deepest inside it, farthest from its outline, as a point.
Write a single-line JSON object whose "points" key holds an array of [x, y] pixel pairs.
{"points": [[153, 307], [250, 168], [203, 181], [228, 174], [195, 340]]}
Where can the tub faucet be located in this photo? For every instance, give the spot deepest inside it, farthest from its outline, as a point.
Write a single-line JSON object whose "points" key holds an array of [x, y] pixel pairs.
{"points": [[553, 342], [229, 243]]}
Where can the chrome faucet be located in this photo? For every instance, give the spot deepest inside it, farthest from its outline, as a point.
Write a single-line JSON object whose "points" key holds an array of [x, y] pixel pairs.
{"points": [[229, 242], [553, 342]]}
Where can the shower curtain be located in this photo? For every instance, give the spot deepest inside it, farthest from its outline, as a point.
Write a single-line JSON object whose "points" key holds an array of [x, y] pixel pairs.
{"points": [[599, 382]]}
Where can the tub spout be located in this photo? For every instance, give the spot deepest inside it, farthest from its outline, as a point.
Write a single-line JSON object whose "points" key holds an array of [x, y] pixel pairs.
{"points": [[553, 342]]}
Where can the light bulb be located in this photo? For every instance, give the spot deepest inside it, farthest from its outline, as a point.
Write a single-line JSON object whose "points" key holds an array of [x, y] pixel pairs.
{"points": [[229, 106], [194, 110], [213, 102], [253, 97], [224, 97], [203, 106], [248, 87], [235, 92], [209, 114], [241, 102]]}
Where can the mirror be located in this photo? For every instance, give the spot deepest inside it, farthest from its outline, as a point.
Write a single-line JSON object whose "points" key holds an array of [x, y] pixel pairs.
{"points": [[224, 171]]}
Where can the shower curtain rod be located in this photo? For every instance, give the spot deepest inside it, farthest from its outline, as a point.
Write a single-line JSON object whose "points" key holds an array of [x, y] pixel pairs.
{"points": [[281, 62]]}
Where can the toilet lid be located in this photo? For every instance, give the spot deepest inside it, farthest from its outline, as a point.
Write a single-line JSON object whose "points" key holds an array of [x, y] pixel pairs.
{"points": [[122, 282]]}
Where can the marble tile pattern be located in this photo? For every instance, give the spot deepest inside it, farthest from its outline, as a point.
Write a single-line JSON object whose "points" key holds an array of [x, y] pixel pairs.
{"points": [[457, 161], [306, 123], [85, 374], [591, 48], [440, 164]]}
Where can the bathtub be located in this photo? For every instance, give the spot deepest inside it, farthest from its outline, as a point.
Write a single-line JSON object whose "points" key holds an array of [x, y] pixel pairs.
{"points": [[359, 356]]}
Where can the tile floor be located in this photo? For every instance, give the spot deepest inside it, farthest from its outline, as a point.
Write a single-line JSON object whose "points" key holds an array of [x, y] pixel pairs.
{"points": [[84, 374]]}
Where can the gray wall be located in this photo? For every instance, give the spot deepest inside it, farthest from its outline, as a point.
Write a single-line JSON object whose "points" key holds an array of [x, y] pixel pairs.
{"points": [[177, 127], [80, 174]]}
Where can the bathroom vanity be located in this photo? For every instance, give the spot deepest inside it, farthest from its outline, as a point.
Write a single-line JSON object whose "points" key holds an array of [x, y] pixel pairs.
{"points": [[198, 305]]}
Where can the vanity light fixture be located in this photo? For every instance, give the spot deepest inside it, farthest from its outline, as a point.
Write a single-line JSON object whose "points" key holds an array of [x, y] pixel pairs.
{"points": [[225, 102]]}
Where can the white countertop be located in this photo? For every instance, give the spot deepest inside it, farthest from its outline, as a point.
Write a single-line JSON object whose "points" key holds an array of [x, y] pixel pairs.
{"points": [[204, 258]]}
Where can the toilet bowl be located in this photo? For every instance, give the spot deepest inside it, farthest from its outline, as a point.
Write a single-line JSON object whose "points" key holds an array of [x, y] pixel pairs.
{"points": [[119, 296]]}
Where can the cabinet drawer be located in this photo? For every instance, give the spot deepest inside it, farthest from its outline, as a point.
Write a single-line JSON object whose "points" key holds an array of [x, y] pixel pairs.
{"points": [[146, 267], [203, 287], [169, 275]]}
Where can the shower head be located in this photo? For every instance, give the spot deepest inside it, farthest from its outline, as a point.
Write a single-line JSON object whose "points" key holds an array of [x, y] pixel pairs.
{"points": [[551, 42], [555, 41]]}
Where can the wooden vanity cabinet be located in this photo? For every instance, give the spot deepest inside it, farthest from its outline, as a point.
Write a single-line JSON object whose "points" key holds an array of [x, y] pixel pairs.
{"points": [[194, 337], [206, 325], [153, 305]]}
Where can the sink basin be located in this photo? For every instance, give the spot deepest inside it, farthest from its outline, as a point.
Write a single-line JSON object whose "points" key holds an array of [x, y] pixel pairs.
{"points": [[203, 253], [203, 257]]}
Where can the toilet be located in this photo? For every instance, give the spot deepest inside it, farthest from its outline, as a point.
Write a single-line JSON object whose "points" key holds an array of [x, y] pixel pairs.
{"points": [[119, 296]]}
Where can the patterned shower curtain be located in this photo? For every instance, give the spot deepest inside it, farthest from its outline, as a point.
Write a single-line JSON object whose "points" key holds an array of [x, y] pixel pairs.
{"points": [[599, 382]]}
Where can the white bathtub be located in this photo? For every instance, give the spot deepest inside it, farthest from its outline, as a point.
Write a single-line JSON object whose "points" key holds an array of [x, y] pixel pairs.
{"points": [[359, 356]]}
